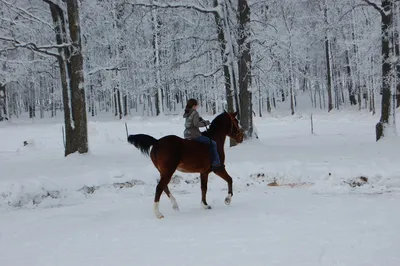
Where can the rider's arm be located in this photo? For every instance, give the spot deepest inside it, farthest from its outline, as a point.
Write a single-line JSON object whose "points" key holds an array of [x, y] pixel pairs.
{"points": [[197, 122]]}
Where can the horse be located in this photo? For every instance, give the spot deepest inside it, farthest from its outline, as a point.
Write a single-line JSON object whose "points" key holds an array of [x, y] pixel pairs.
{"points": [[171, 153]]}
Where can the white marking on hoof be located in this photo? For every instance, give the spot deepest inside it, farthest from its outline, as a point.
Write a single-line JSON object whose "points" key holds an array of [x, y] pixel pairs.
{"points": [[228, 199], [174, 203], [157, 212], [207, 207]]}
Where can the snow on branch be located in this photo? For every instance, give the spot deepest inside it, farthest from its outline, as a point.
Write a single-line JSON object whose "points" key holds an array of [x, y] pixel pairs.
{"points": [[178, 5], [203, 75], [376, 6], [24, 13], [194, 56], [41, 49], [94, 71], [207, 74]]}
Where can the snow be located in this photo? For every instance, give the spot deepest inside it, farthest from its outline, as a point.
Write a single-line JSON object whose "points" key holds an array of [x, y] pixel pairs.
{"points": [[79, 210]]}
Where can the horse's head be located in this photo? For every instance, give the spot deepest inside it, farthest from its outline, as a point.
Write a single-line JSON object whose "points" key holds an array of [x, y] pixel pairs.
{"points": [[234, 130], [227, 124]]}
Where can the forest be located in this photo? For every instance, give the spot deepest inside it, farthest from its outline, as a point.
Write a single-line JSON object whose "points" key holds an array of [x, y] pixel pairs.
{"points": [[76, 59]]}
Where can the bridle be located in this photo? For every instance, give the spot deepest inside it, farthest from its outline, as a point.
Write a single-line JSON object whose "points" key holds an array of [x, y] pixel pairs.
{"points": [[234, 125]]}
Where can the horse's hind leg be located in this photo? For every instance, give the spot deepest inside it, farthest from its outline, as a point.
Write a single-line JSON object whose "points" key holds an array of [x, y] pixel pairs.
{"points": [[171, 198], [224, 175], [204, 181]]}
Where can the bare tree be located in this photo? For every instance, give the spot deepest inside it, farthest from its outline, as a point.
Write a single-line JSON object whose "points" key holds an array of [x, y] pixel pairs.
{"points": [[246, 110], [70, 62], [386, 12]]}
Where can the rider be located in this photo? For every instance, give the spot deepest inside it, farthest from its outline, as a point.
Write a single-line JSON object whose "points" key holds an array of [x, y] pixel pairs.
{"points": [[192, 124]]}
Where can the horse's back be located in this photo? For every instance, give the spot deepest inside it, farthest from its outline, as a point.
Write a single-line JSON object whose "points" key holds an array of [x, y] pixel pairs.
{"points": [[181, 144], [170, 138], [188, 155]]}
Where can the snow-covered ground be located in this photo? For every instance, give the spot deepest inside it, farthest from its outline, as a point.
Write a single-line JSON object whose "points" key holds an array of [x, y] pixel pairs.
{"points": [[49, 215]]}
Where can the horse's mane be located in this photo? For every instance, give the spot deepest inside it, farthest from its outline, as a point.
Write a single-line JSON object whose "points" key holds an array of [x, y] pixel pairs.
{"points": [[214, 125]]}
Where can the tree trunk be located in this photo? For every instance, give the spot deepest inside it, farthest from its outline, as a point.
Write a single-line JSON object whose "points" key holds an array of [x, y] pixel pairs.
{"points": [[227, 76], [119, 103], [71, 69], [397, 51], [126, 108], [52, 99], [77, 79], [291, 81], [386, 24], [92, 100], [115, 102], [32, 100], [3, 109], [229, 80], [156, 46], [352, 96], [246, 110], [60, 30], [328, 62]]}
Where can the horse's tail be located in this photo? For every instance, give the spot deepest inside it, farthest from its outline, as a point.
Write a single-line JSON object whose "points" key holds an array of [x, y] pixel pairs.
{"points": [[143, 142]]}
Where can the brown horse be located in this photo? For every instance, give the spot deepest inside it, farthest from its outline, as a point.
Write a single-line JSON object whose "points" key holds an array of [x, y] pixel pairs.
{"points": [[171, 153]]}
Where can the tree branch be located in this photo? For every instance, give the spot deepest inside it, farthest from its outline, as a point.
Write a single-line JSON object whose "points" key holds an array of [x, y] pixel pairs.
{"points": [[374, 5], [17, 9], [34, 47], [178, 5], [204, 75], [116, 68]]}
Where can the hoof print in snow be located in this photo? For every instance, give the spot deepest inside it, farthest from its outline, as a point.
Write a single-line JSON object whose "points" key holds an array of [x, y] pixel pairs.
{"points": [[292, 185], [357, 182], [259, 178], [128, 184], [257, 175], [176, 179], [196, 180], [88, 190], [52, 194], [29, 198]]}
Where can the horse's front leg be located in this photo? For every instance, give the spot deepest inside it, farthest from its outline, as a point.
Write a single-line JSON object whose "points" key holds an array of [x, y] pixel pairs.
{"points": [[204, 182], [224, 175]]}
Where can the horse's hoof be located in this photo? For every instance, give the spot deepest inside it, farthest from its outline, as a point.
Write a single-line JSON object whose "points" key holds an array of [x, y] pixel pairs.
{"points": [[160, 216], [175, 207], [206, 206], [228, 200]]}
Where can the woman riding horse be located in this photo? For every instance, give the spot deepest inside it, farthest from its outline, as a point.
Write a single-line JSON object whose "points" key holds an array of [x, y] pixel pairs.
{"points": [[171, 153], [192, 132]]}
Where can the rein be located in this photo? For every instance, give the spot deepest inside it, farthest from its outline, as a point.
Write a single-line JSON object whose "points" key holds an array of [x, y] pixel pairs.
{"points": [[234, 125]]}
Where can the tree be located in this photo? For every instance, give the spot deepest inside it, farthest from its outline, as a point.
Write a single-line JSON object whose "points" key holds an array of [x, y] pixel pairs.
{"points": [[386, 12], [145, 57], [69, 58], [3, 105], [246, 106], [70, 61]]}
